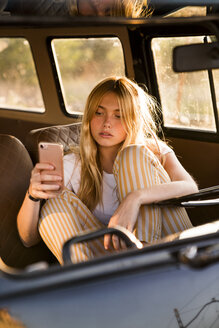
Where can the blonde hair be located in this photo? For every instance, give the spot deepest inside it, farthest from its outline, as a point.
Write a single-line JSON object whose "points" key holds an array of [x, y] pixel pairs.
{"points": [[136, 108], [130, 8]]}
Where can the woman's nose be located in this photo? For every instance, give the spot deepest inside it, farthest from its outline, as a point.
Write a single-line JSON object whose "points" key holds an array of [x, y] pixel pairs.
{"points": [[107, 123]]}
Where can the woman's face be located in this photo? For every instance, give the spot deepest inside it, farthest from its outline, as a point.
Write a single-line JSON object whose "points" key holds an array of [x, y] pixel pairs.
{"points": [[106, 125], [94, 7]]}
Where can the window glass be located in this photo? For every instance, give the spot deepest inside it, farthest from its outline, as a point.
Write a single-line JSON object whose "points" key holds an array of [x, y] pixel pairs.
{"points": [[19, 87], [189, 11], [185, 97], [81, 63]]}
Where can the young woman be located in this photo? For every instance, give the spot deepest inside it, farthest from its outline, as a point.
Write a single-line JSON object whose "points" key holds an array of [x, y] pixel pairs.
{"points": [[118, 170]]}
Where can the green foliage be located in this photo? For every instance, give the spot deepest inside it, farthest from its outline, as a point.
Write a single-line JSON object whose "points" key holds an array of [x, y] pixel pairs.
{"points": [[81, 56], [16, 62]]}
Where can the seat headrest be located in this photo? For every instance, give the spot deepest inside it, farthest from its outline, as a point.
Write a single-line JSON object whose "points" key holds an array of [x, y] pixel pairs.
{"points": [[67, 135]]}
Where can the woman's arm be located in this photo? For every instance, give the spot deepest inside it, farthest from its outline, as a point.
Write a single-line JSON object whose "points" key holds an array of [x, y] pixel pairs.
{"points": [[28, 216], [181, 184]]}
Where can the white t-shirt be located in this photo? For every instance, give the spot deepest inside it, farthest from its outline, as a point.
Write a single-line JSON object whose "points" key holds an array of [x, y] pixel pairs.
{"points": [[72, 169]]}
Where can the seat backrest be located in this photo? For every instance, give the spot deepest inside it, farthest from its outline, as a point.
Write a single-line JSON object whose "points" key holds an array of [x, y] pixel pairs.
{"points": [[15, 170], [67, 135]]}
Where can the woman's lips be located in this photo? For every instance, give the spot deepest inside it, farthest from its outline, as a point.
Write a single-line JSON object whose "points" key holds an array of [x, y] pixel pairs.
{"points": [[105, 134]]}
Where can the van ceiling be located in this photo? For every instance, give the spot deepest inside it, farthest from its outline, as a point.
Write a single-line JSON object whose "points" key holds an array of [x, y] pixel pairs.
{"points": [[60, 7]]}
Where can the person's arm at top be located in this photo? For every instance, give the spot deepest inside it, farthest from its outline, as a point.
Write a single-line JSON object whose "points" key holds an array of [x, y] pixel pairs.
{"points": [[28, 216], [181, 184]]}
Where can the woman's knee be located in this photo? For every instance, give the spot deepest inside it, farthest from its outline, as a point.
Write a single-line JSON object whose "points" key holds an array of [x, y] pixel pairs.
{"points": [[134, 154], [135, 159], [135, 168]]}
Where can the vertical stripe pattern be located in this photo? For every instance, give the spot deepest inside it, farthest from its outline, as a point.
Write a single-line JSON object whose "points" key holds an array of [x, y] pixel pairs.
{"points": [[64, 217], [136, 167]]}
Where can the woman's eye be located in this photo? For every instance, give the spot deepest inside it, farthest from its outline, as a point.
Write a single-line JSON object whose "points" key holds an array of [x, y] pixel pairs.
{"points": [[98, 113], [118, 116]]}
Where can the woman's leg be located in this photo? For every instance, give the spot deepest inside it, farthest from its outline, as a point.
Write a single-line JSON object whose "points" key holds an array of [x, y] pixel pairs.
{"points": [[64, 217], [136, 167]]}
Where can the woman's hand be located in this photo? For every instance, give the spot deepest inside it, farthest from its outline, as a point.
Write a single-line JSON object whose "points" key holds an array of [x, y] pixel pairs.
{"points": [[44, 185], [125, 216]]}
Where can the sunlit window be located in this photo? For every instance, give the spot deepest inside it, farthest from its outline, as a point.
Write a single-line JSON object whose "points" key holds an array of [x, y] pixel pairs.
{"points": [[189, 11], [185, 97], [83, 62], [19, 87]]}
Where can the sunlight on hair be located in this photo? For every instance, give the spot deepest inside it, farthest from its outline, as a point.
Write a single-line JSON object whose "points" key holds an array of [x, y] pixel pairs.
{"points": [[137, 109]]}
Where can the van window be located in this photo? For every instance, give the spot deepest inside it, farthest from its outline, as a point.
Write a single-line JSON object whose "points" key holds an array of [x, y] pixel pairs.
{"points": [[19, 87], [185, 97], [81, 63]]}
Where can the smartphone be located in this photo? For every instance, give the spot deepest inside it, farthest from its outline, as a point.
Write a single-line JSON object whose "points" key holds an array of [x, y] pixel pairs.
{"points": [[52, 153]]}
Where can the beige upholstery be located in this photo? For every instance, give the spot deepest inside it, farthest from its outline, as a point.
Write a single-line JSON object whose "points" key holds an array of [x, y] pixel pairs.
{"points": [[15, 169], [67, 135]]}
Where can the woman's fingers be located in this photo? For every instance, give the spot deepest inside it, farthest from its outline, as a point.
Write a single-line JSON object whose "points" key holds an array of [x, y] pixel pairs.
{"points": [[44, 191], [45, 182], [43, 166], [117, 242], [41, 172], [45, 195], [46, 187], [50, 178], [107, 241], [42, 183]]}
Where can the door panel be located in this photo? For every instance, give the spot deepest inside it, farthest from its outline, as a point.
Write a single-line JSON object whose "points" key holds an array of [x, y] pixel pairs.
{"points": [[201, 160], [156, 295]]}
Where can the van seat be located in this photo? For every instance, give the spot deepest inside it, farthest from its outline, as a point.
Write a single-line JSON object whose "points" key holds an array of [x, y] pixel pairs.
{"points": [[16, 163], [15, 170]]}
